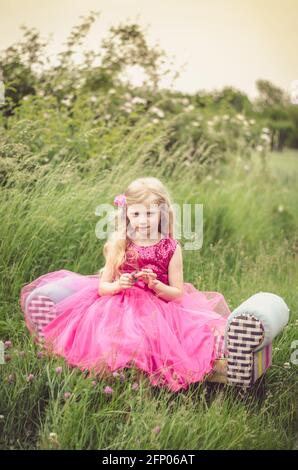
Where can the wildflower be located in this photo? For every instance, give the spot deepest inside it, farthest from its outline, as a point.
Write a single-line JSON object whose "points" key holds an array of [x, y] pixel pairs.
{"points": [[7, 344], [156, 430], [287, 365], [66, 101], [127, 107], [122, 377], [138, 100], [67, 395], [157, 111], [93, 383], [53, 438], [108, 390], [265, 138], [115, 374], [40, 354], [10, 379], [30, 377], [280, 208], [135, 386], [58, 370]]}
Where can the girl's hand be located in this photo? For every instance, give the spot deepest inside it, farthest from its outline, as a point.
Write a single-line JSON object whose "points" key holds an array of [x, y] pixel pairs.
{"points": [[156, 286], [146, 274], [125, 281]]}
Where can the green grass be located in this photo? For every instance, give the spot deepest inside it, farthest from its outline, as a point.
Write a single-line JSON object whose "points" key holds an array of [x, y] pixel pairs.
{"points": [[250, 244]]}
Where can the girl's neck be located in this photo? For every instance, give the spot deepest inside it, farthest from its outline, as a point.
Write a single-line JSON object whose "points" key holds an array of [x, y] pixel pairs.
{"points": [[147, 241]]}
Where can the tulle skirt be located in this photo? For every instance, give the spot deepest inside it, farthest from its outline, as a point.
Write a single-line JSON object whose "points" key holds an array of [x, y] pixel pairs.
{"points": [[173, 342]]}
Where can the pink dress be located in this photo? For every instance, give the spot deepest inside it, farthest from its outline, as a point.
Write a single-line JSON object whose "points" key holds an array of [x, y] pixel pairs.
{"points": [[174, 342]]}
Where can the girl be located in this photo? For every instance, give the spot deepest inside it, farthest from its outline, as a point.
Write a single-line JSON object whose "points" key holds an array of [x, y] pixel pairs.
{"points": [[137, 310]]}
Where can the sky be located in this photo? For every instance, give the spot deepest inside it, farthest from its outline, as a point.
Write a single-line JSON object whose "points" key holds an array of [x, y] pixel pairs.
{"points": [[213, 43]]}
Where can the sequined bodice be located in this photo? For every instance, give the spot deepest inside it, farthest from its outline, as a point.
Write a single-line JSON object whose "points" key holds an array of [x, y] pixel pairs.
{"points": [[156, 257]]}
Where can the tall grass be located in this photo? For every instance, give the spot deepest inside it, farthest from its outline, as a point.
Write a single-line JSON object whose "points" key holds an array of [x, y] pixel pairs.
{"points": [[250, 244]]}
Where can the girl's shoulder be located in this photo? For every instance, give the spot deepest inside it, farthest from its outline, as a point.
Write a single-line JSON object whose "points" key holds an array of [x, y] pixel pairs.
{"points": [[170, 242], [174, 242], [170, 245], [169, 248]]}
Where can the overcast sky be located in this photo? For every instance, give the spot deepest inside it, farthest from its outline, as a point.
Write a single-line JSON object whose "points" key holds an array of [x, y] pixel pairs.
{"points": [[220, 42]]}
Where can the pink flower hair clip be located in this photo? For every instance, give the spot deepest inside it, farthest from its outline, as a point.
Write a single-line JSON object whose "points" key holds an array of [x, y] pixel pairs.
{"points": [[120, 200]]}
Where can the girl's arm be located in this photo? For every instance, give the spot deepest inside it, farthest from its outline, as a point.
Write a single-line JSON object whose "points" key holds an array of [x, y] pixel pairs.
{"points": [[106, 284], [175, 275]]}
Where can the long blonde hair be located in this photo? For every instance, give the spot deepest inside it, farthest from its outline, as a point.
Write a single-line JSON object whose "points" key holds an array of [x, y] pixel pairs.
{"points": [[137, 192]]}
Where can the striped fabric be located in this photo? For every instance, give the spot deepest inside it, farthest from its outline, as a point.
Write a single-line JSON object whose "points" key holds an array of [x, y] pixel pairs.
{"points": [[40, 312], [245, 333], [262, 360]]}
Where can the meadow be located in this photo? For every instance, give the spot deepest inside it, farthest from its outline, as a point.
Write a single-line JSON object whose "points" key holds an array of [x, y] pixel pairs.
{"points": [[250, 244], [72, 138]]}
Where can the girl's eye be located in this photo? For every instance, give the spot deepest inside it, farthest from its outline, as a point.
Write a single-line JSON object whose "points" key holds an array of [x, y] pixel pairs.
{"points": [[136, 213]]}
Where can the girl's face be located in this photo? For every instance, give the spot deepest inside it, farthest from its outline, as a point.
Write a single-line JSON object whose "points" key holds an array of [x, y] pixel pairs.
{"points": [[144, 218]]}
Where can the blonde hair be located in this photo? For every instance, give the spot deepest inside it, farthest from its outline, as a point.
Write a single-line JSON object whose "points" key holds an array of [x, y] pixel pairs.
{"points": [[115, 249]]}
